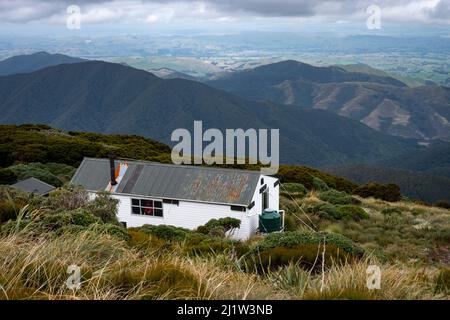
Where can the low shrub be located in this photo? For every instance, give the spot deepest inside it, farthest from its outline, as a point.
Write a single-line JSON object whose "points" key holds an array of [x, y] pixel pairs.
{"points": [[305, 176], [12, 226], [319, 184], [292, 238], [219, 227], [327, 211], [203, 229], [388, 192], [103, 207], [337, 197], [9, 210], [7, 176], [442, 204], [55, 221], [112, 230], [307, 256], [143, 240], [217, 232], [168, 233], [25, 171], [66, 199], [82, 217], [305, 248], [354, 212], [227, 223], [295, 190]]}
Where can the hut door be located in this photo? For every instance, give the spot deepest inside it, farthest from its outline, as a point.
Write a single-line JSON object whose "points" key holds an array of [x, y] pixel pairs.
{"points": [[265, 200]]}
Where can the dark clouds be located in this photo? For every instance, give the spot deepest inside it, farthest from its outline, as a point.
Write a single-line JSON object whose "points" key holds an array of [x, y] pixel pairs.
{"points": [[32, 10]]}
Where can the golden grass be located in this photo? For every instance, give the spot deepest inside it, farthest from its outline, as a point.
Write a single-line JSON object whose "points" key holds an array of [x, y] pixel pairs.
{"points": [[110, 269]]}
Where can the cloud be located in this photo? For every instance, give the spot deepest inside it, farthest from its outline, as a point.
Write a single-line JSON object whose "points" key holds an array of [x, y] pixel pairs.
{"points": [[165, 11], [441, 11]]}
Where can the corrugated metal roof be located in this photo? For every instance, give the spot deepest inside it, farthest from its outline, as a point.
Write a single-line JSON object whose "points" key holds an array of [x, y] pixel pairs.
{"points": [[180, 182], [34, 185]]}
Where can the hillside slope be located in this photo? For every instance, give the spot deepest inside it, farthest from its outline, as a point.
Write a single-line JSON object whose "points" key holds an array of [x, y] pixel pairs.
{"points": [[112, 98], [383, 103], [32, 62], [415, 185], [434, 160]]}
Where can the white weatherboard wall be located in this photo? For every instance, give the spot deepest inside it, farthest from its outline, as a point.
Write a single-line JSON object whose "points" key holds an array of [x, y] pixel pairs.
{"points": [[274, 196], [187, 215], [190, 214]]}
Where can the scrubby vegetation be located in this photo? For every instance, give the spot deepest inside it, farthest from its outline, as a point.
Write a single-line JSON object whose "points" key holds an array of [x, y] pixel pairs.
{"points": [[42, 237], [43, 144], [334, 229]]}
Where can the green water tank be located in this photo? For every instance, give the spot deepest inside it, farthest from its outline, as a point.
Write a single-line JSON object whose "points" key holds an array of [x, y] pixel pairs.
{"points": [[270, 221]]}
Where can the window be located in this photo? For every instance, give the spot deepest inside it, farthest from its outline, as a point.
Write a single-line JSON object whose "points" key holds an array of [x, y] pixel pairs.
{"points": [[171, 201], [147, 207], [238, 208]]}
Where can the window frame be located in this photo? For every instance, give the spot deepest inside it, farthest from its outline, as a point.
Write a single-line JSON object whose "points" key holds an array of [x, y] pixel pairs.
{"points": [[153, 208]]}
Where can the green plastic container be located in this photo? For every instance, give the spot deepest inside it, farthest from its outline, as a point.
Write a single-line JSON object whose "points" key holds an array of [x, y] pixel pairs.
{"points": [[270, 221]]}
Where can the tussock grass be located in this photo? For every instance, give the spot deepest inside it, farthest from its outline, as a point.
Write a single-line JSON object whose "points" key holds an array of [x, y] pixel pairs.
{"points": [[409, 242], [111, 269]]}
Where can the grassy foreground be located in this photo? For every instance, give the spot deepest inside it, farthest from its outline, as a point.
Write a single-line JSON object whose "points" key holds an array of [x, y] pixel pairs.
{"points": [[409, 243], [112, 270]]}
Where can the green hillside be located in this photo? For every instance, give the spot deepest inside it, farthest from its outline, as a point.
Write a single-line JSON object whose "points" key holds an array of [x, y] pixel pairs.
{"points": [[334, 228], [112, 98]]}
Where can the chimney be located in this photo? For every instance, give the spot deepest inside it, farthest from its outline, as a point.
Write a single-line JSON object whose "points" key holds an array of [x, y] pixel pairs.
{"points": [[112, 168]]}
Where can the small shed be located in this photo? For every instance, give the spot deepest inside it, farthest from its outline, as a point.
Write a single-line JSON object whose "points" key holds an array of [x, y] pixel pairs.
{"points": [[35, 186]]}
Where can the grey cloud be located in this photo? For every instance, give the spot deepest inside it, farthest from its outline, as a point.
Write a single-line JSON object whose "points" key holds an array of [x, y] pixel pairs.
{"points": [[442, 10], [28, 10]]}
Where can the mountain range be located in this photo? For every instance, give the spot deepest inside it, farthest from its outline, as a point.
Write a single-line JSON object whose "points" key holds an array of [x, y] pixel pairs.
{"points": [[113, 98], [32, 62], [379, 101]]}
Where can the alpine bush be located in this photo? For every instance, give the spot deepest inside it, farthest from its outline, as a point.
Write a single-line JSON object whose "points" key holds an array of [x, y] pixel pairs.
{"points": [[388, 192], [103, 207], [337, 197], [295, 190], [7, 176], [292, 238], [354, 212], [319, 184], [219, 227], [305, 248], [168, 233]]}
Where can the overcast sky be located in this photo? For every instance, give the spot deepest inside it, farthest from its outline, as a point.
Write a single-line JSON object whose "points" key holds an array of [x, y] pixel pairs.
{"points": [[223, 12]]}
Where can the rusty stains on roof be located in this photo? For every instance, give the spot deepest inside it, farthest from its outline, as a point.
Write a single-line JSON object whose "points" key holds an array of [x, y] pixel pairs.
{"points": [[192, 183]]}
